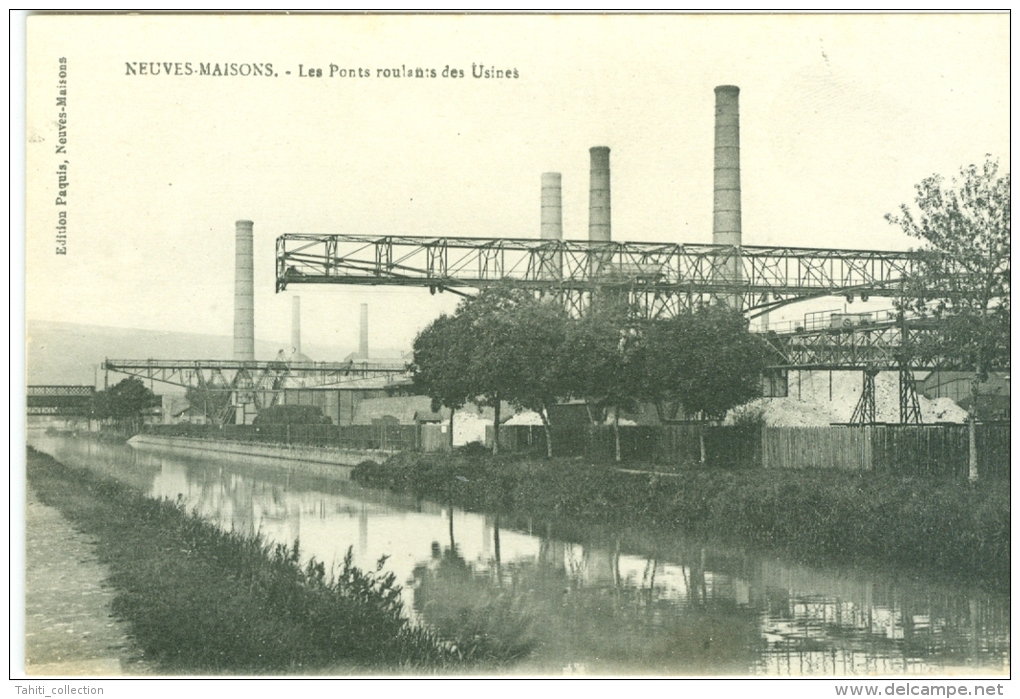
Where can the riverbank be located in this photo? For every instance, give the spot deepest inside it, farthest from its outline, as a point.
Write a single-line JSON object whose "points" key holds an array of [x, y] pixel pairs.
{"points": [[312, 460], [942, 528], [203, 601], [69, 627]]}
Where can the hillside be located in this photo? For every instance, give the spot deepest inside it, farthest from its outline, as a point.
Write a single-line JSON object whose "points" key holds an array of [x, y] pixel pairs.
{"points": [[69, 353]]}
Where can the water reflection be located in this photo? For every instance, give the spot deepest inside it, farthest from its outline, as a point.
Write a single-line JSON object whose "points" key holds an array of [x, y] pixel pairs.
{"points": [[603, 602]]}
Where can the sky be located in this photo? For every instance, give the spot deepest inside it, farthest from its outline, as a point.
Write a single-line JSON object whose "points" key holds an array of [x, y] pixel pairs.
{"points": [[841, 115]]}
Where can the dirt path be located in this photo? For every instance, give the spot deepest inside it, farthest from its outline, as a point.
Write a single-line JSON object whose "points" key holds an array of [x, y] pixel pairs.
{"points": [[68, 626]]}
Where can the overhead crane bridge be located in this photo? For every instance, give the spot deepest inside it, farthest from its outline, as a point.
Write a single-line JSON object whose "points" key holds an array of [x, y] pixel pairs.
{"points": [[660, 278], [259, 383]]}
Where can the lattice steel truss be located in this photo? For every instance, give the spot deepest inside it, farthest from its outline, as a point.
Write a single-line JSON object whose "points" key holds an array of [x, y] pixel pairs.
{"points": [[883, 346], [910, 406], [864, 413], [662, 279], [60, 401], [259, 383]]}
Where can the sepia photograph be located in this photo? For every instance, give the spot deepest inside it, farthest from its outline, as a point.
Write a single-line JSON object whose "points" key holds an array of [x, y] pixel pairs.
{"points": [[515, 346]]}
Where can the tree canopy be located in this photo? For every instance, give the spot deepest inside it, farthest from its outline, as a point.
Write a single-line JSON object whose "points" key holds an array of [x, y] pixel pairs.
{"points": [[507, 345], [962, 278], [603, 359], [706, 359], [498, 346], [124, 402], [442, 353]]}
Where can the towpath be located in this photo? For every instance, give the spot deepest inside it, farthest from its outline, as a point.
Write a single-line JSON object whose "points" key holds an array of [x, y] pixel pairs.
{"points": [[69, 628]]}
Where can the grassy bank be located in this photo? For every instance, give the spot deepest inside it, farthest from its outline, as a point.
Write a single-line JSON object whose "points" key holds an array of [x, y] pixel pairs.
{"points": [[200, 600], [940, 527]]}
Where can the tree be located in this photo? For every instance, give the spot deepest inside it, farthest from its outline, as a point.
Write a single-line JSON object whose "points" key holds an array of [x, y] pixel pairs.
{"points": [[603, 362], [125, 402], [442, 353], [515, 339], [962, 275], [522, 342], [705, 359], [500, 346]]}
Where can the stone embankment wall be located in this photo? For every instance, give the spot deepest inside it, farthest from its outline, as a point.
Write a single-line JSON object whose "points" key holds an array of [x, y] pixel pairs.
{"points": [[323, 461]]}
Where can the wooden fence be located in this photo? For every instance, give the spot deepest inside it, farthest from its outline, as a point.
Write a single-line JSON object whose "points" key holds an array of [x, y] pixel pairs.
{"points": [[921, 450], [914, 450], [841, 447], [669, 446], [917, 450]]}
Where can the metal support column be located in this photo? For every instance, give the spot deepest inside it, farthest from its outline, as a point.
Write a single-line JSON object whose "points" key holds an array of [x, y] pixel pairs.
{"points": [[864, 413], [910, 407]]}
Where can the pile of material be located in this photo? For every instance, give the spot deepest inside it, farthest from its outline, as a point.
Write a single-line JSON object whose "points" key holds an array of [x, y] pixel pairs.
{"points": [[809, 403]]}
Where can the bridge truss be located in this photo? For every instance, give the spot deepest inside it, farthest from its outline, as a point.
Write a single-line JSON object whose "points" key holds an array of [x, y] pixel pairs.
{"points": [[662, 279], [249, 383], [886, 346], [59, 401]]}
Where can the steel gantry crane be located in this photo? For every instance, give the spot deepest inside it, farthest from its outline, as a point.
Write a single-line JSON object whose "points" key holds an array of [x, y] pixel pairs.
{"points": [[660, 278]]}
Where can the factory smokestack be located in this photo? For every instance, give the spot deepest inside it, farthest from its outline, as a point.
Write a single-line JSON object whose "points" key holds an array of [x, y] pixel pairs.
{"points": [[244, 292], [598, 203], [295, 327], [363, 335], [552, 222], [726, 209], [726, 212]]}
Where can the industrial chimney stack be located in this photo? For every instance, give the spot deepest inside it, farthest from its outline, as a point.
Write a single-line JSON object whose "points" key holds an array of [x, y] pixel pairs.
{"points": [[244, 292], [598, 202], [552, 222], [363, 335], [726, 208], [726, 212]]}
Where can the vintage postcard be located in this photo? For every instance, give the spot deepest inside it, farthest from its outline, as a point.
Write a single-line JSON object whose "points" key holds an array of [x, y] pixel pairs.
{"points": [[289, 277]]}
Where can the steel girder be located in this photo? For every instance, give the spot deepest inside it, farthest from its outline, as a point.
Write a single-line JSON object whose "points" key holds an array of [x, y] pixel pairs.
{"points": [[663, 278], [60, 401], [864, 412], [883, 346], [910, 406], [255, 377]]}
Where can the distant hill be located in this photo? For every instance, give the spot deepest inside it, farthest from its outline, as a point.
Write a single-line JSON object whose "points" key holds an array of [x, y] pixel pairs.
{"points": [[68, 353]]}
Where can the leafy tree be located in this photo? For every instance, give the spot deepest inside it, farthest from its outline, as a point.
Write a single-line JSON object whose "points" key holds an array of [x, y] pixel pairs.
{"points": [[125, 402], [603, 361], [705, 359], [515, 339], [521, 340], [499, 346], [962, 277], [442, 353]]}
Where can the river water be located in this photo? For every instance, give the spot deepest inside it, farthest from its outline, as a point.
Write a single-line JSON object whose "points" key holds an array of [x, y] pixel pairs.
{"points": [[618, 602]]}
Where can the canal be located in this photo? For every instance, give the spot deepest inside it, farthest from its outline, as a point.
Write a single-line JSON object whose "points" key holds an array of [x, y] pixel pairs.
{"points": [[619, 602]]}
